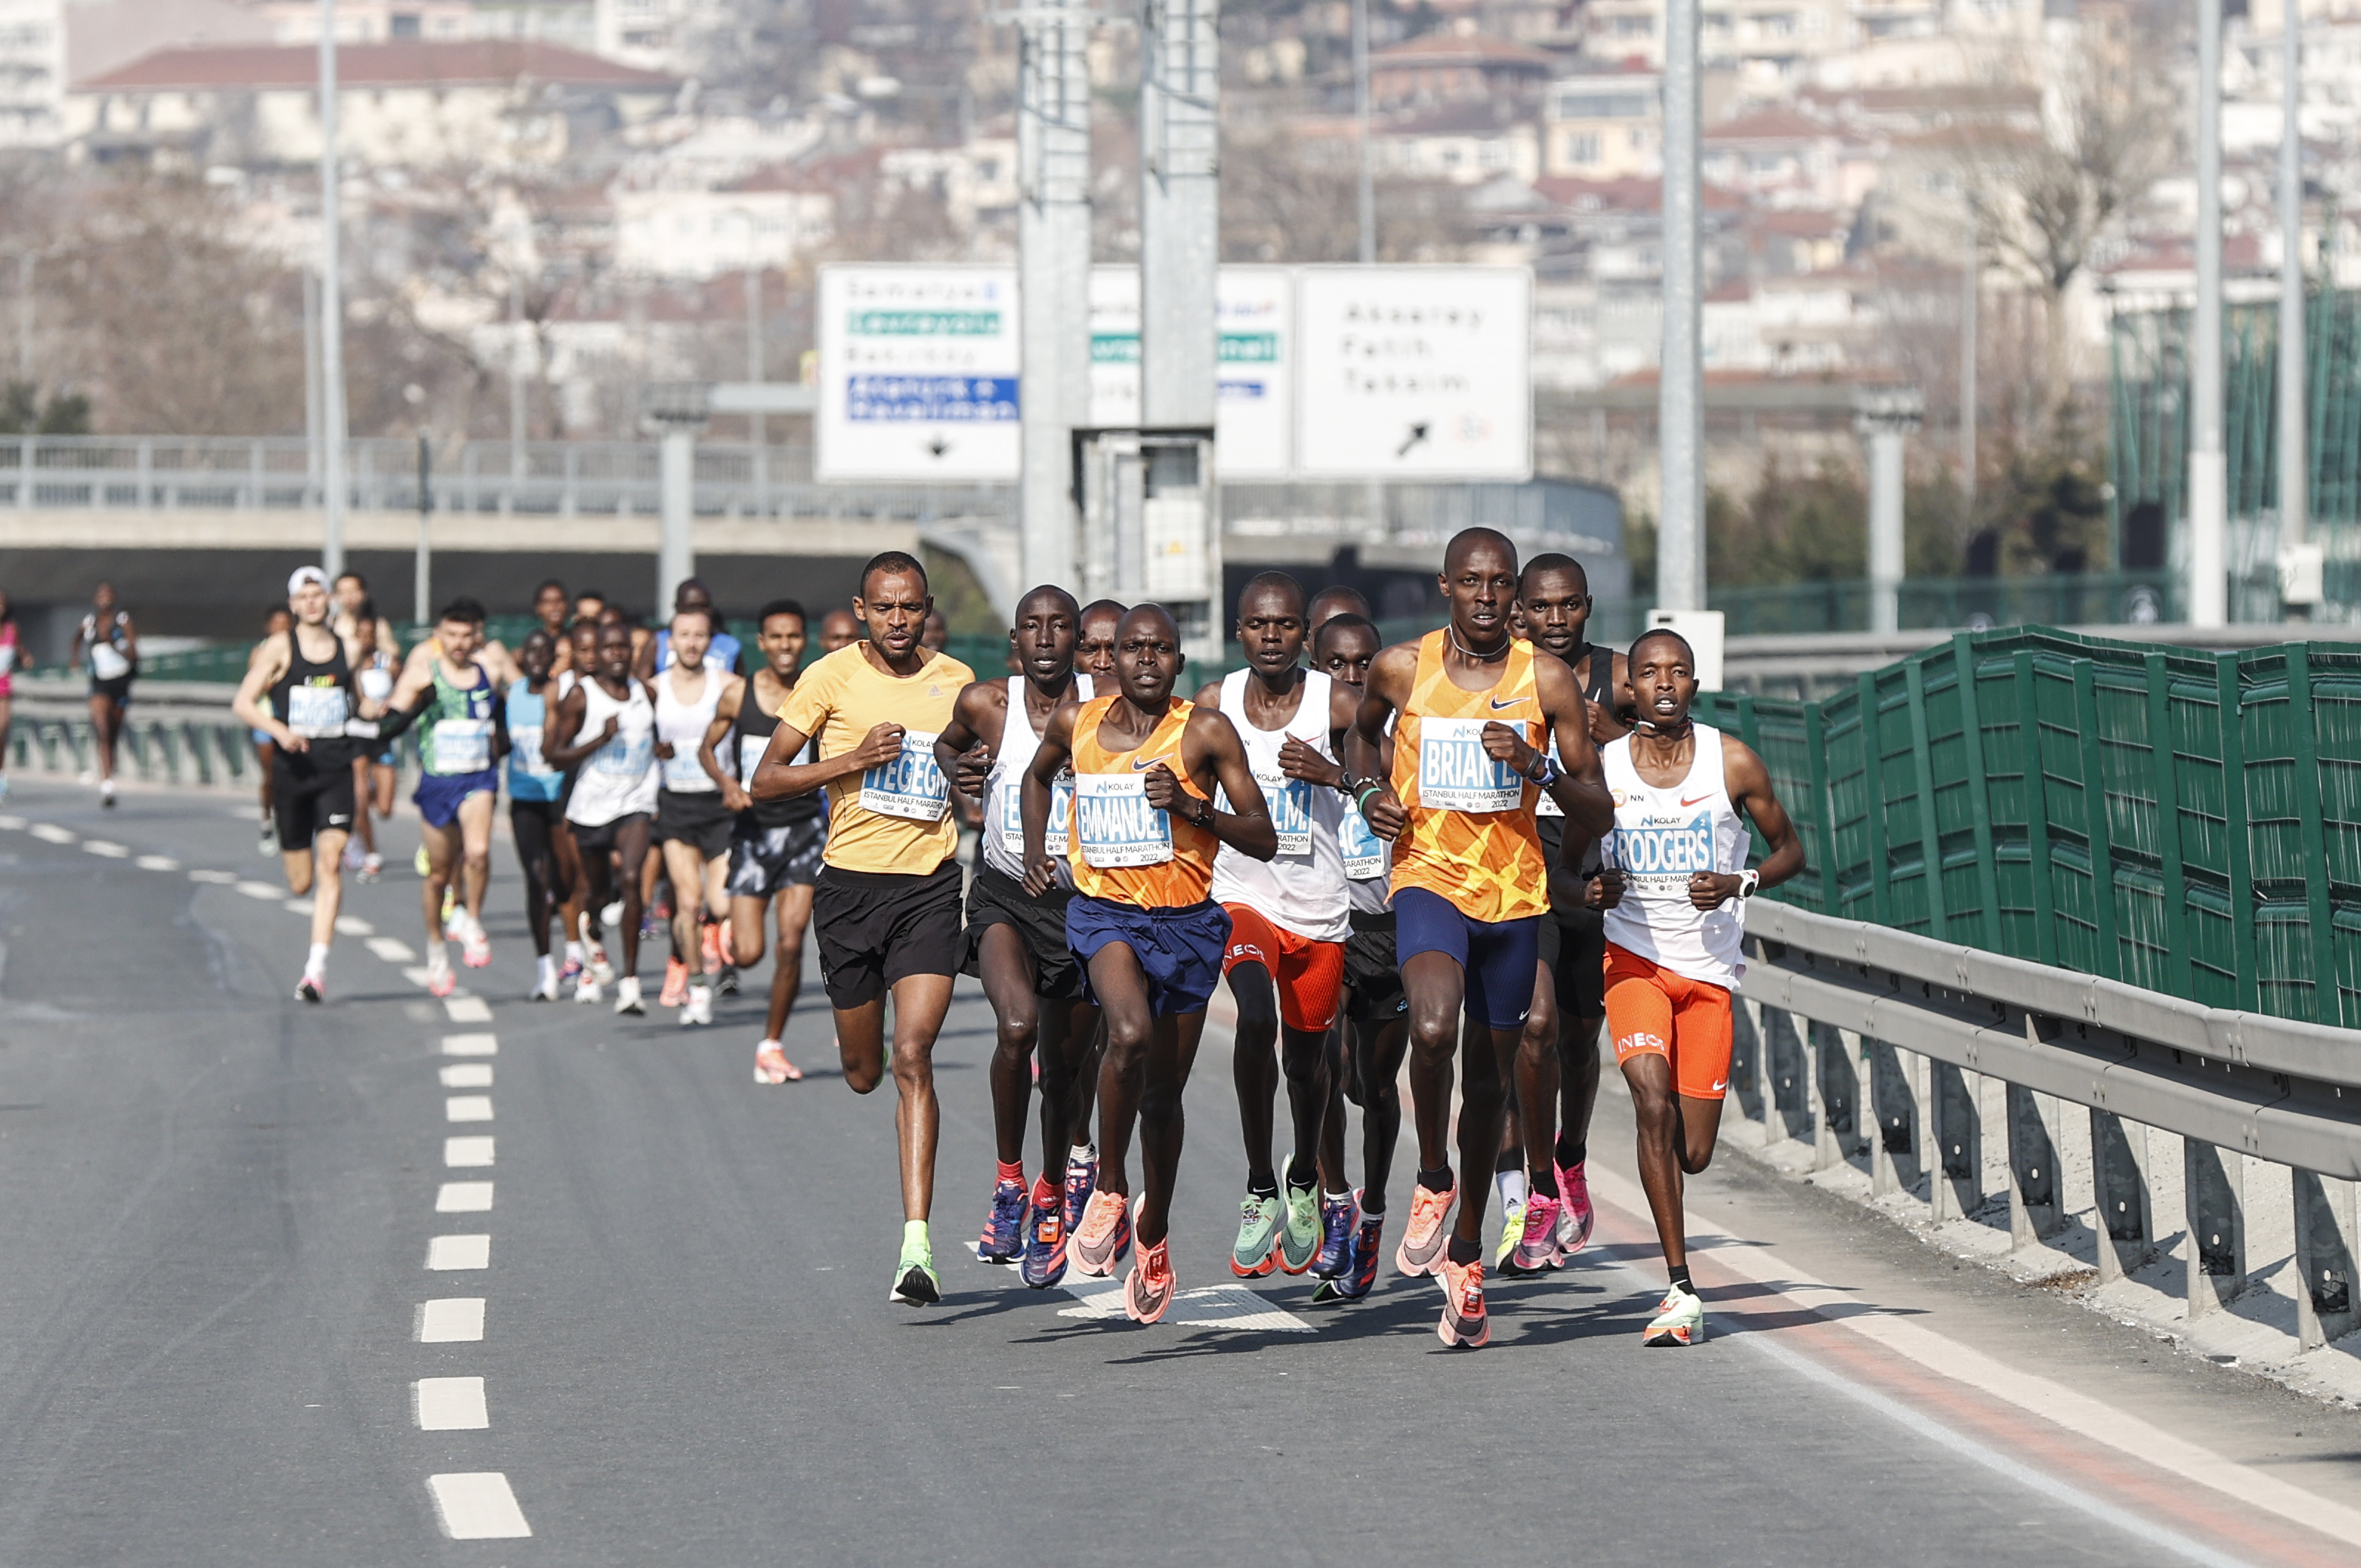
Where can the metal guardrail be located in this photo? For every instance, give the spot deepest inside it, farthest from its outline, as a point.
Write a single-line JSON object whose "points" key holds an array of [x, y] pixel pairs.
{"points": [[182, 750], [1897, 1023]]}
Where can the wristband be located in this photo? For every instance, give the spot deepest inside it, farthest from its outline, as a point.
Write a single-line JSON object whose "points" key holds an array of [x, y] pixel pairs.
{"points": [[1367, 788], [1548, 773], [1748, 881]]}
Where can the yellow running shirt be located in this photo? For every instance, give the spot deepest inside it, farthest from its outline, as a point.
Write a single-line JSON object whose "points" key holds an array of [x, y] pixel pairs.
{"points": [[896, 817], [1471, 837]]}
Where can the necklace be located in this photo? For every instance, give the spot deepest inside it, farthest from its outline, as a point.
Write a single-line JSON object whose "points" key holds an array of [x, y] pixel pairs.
{"points": [[1453, 633]]}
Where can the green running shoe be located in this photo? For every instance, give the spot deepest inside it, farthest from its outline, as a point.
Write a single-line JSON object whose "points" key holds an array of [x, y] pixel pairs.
{"points": [[1512, 1226], [1255, 1252], [916, 1283], [1299, 1237]]}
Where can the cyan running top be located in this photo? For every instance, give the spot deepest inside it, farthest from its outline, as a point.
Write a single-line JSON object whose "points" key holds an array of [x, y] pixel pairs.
{"points": [[529, 777]]}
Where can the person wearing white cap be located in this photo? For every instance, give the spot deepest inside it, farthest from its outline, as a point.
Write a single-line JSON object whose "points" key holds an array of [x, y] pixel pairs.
{"points": [[299, 690]]}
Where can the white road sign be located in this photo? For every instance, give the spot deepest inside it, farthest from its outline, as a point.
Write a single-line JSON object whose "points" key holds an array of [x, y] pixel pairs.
{"points": [[1254, 413], [919, 372], [1414, 373]]}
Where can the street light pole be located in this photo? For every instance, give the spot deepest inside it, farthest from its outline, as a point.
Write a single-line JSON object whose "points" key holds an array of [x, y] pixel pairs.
{"points": [[1366, 185], [1680, 400], [332, 308], [2295, 472], [2209, 477]]}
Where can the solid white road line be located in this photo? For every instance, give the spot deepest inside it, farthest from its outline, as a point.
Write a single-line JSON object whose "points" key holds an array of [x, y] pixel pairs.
{"points": [[354, 926], [468, 1108], [467, 1009], [478, 1506], [1208, 1306], [459, 1251], [468, 1075], [261, 890], [464, 1197], [105, 849], [463, 1153], [451, 1320], [471, 1044], [451, 1404], [389, 950], [50, 833], [157, 864], [214, 879]]}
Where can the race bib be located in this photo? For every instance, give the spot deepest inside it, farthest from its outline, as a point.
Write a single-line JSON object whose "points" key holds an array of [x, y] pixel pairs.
{"points": [[463, 745], [377, 684], [684, 774], [1664, 846], [108, 662], [749, 758], [1455, 774], [317, 711], [1544, 804], [1118, 828], [912, 785], [1056, 836], [524, 753], [1290, 804], [624, 755], [1364, 852]]}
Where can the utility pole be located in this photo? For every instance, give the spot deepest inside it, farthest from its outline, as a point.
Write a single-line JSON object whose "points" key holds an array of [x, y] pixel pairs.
{"points": [[757, 427], [517, 370], [2295, 469], [312, 415], [1885, 417], [24, 262], [1053, 261], [422, 569], [2208, 476], [1972, 288], [1680, 398], [1366, 185], [332, 308]]}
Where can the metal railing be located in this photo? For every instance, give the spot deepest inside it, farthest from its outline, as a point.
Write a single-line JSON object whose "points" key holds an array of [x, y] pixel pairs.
{"points": [[2086, 599], [1869, 1043]]}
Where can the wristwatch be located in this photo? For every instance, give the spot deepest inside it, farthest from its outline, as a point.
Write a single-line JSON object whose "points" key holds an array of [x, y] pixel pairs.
{"points": [[1344, 785], [1546, 774], [1748, 881]]}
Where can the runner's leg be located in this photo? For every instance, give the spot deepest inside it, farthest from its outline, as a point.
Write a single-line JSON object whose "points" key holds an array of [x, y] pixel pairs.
{"points": [[445, 849], [686, 867], [476, 839], [1008, 974], [1172, 1051], [1254, 1069], [920, 1002], [536, 856], [1121, 990], [632, 854]]}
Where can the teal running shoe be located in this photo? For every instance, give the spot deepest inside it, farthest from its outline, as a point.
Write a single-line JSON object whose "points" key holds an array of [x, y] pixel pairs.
{"points": [[1255, 1252]]}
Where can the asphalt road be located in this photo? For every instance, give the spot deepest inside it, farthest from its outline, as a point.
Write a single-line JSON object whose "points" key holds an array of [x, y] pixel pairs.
{"points": [[220, 1206]]}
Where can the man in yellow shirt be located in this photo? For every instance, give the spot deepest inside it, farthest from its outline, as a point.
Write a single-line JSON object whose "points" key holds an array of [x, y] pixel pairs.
{"points": [[886, 906]]}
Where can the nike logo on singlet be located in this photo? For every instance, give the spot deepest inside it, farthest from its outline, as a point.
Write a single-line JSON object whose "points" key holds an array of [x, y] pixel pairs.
{"points": [[1498, 704], [1139, 766], [1698, 801]]}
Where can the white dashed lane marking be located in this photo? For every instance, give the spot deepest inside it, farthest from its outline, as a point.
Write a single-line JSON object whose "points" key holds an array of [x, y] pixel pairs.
{"points": [[464, 1197], [467, 1009], [12, 824], [354, 926], [1208, 1306], [216, 879], [157, 864], [468, 1108], [471, 1044], [452, 1404], [468, 1075], [298, 906], [389, 950], [101, 847], [50, 833], [451, 1320], [478, 1506], [466, 1154], [261, 889], [459, 1251]]}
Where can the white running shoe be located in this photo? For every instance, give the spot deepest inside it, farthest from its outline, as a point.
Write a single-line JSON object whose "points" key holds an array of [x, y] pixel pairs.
{"points": [[600, 970], [1680, 1320], [311, 988], [586, 989], [475, 948], [106, 794], [611, 917], [627, 996], [700, 1006], [372, 867], [440, 980]]}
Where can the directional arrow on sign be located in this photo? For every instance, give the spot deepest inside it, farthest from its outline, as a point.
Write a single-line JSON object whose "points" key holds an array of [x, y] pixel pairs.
{"points": [[1417, 434], [937, 446]]}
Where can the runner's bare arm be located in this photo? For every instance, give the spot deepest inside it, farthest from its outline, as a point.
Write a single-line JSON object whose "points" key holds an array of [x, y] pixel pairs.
{"points": [[1748, 784], [263, 668], [1208, 695], [1364, 745], [779, 779], [1298, 760], [1580, 788], [1049, 758], [561, 751], [408, 699], [731, 686], [1211, 751], [965, 748]]}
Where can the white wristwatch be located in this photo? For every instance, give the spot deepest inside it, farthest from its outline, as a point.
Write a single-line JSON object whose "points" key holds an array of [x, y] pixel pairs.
{"points": [[1748, 881]]}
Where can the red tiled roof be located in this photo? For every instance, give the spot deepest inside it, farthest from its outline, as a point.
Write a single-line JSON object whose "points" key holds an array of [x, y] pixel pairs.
{"points": [[1450, 48], [406, 62], [1768, 125]]}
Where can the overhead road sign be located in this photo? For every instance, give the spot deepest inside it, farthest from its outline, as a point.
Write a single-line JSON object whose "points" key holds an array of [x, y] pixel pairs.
{"points": [[1254, 410], [919, 374]]}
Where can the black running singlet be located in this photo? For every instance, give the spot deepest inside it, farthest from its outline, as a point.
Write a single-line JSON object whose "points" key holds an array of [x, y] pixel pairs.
{"points": [[314, 698], [753, 729]]}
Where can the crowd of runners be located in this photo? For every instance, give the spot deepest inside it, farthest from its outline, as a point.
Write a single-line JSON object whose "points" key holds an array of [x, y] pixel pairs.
{"points": [[1463, 855]]}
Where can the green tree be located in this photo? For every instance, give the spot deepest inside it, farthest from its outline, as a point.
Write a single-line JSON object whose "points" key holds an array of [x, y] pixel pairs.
{"points": [[24, 411]]}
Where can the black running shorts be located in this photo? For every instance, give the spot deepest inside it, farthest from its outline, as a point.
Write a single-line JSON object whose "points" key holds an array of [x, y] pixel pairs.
{"points": [[876, 928], [995, 898], [309, 795], [698, 817], [1373, 988], [1573, 947], [766, 861]]}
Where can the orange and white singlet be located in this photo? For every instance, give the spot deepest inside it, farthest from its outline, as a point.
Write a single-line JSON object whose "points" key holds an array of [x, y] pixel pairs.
{"points": [[1471, 838], [1124, 850]]}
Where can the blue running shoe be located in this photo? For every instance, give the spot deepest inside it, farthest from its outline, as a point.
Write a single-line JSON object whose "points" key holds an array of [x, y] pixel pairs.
{"points": [[1360, 1274], [1004, 1232], [1337, 1218], [1044, 1242], [1081, 1180]]}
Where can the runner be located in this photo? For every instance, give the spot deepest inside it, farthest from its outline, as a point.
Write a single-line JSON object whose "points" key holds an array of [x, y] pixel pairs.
{"points": [[307, 674], [935, 635], [12, 658], [583, 952], [1367, 1062], [1289, 919], [774, 845], [1468, 878], [376, 766], [887, 902], [838, 628], [351, 592], [1544, 1191], [550, 607], [537, 804], [604, 731], [1094, 638], [1333, 602], [1150, 936], [723, 650], [454, 697], [1675, 874], [1016, 943], [109, 644], [694, 821], [276, 622]]}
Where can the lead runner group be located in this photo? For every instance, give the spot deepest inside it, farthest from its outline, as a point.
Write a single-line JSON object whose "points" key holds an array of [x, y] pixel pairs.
{"points": [[1461, 856]]}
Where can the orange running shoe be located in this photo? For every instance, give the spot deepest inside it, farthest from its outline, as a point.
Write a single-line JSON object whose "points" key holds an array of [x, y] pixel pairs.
{"points": [[1465, 1321], [1104, 1232], [1149, 1291], [712, 945], [675, 990], [1423, 1238]]}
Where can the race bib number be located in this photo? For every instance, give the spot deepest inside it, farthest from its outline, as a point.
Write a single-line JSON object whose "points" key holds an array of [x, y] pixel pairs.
{"points": [[1289, 802], [524, 754], [627, 755], [317, 711], [108, 662], [463, 745], [749, 758], [1056, 835], [1364, 852], [1455, 774], [1118, 828], [912, 785], [1667, 847], [684, 774]]}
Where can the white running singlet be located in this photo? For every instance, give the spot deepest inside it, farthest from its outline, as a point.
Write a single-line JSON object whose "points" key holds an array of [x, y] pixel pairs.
{"points": [[1661, 837], [619, 777], [1004, 790], [1302, 887], [683, 726]]}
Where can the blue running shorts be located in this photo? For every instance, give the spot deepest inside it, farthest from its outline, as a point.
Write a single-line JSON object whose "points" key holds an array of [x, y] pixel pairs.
{"points": [[1180, 950], [1497, 959], [439, 795]]}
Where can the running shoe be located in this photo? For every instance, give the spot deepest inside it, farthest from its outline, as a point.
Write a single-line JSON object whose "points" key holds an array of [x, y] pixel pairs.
{"points": [[699, 1008], [1255, 1252], [675, 985], [1299, 1230], [1680, 1320], [1337, 1217], [772, 1066], [1422, 1238], [586, 989], [709, 948], [268, 846], [1044, 1263], [440, 980], [106, 794], [1512, 1228], [1105, 1232], [915, 1284], [600, 970], [372, 867], [451, 909], [611, 916], [1536, 1245], [725, 983], [1081, 1180], [352, 856], [627, 997], [1574, 1215], [571, 972], [1463, 1320], [546, 988], [1360, 1274], [420, 863], [311, 988], [1149, 1290], [475, 948], [1003, 1241]]}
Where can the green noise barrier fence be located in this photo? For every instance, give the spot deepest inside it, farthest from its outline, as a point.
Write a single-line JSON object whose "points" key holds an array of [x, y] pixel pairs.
{"points": [[2184, 822]]}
